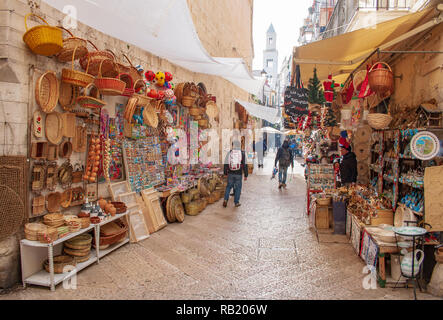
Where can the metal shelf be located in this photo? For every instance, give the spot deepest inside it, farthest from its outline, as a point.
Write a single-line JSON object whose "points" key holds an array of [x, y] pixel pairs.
{"points": [[115, 246], [31, 243]]}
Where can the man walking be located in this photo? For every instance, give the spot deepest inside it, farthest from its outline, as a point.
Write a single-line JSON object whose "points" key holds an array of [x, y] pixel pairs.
{"points": [[235, 163], [284, 158], [260, 149]]}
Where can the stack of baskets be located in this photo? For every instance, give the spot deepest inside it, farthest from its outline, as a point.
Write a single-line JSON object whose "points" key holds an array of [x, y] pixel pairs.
{"points": [[73, 222], [60, 262], [79, 247], [54, 220], [32, 230], [48, 235]]}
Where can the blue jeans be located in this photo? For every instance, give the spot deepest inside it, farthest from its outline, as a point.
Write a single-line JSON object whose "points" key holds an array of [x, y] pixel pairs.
{"points": [[234, 181], [282, 174]]}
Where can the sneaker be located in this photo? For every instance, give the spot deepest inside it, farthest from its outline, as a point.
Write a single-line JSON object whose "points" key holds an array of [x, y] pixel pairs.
{"points": [[225, 203], [237, 205]]}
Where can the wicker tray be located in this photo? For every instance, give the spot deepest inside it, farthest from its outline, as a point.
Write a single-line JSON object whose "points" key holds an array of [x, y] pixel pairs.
{"points": [[51, 176], [77, 252], [32, 230], [53, 201], [47, 91], [38, 205], [59, 263], [54, 127], [64, 173], [68, 124]]}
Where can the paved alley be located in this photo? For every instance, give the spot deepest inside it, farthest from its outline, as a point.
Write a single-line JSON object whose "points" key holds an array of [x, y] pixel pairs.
{"points": [[261, 250]]}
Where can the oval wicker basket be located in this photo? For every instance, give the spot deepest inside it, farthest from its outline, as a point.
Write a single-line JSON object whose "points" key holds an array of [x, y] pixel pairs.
{"points": [[90, 99], [109, 86], [69, 45], [381, 80], [44, 40], [75, 77], [60, 262], [379, 120], [47, 91], [54, 127], [68, 95], [91, 62]]}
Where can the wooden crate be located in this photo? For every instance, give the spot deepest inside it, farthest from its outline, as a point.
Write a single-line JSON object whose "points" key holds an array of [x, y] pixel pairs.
{"points": [[322, 217]]}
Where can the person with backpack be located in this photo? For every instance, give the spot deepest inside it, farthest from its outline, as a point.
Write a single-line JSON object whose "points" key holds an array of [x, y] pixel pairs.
{"points": [[284, 158], [234, 167]]}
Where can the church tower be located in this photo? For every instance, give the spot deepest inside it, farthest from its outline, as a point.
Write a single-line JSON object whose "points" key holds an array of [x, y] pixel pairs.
{"points": [[270, 57]]}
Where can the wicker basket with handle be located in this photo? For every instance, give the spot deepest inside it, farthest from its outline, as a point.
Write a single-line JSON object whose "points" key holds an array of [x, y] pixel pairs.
{"points": [[69, 45], [75, 77], [381, 79], [379, 120], [109, 86], [90, 98], [91, 62], [143, 99], [44, 40]]}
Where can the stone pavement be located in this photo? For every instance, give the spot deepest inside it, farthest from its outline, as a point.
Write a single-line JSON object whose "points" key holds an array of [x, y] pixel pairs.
{"points": [[261, 250]]}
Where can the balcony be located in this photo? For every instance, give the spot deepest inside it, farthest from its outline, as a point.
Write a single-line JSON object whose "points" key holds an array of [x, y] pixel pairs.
{"points": [[384, 4]]}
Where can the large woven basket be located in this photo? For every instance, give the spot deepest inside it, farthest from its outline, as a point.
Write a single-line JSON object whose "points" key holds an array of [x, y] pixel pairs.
{"points": [[47, 91], [44, 39], [192, 208], [109, 86], [381, 80], [91, 62], [68, 95], [90, 98], [32, 230], [140, 94], [60, 262], [186, 197], [379, 120], [75, 77], [188, 101], [69, 45]]}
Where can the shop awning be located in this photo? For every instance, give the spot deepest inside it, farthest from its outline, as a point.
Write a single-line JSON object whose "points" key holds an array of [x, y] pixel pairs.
{"points": [[266, 113], [165, 28], [270, 130], [340, 55]]}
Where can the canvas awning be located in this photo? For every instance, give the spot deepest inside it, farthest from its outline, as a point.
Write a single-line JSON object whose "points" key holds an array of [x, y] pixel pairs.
{"points": [[270, 130], [165, 28], [342, 54], [266, 113]]}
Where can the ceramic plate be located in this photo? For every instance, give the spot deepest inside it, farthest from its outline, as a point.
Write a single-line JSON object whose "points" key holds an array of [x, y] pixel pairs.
{"points": [[425, 145], [409, 231]]}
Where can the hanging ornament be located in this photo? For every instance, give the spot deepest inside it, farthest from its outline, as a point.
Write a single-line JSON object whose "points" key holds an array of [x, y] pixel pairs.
{"points": [[328, 89]]}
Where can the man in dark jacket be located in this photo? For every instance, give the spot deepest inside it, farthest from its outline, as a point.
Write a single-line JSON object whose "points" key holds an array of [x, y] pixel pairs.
{"points": [[348, 165], [284, 158], [234, 166]]}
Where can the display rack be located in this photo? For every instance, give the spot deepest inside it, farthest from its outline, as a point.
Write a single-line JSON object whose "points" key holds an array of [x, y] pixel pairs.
{"points": [[319, 177], [33, 254]]}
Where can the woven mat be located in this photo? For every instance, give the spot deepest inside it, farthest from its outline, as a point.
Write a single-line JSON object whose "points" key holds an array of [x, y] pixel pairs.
{"points": [[17, 176], [12, 211]]}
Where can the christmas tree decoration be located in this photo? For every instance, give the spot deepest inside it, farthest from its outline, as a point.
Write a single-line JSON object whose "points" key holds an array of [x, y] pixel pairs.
{"points": [[330, 119], [315, 93]]}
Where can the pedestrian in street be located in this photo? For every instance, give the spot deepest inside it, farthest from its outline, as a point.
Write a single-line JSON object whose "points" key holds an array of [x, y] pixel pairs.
{"points": [[259, 148], [234, 167], [284, 159], [348, 165]]}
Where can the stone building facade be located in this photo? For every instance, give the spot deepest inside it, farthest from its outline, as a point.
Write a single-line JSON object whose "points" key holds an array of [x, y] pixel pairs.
{"points": [[224, 27]]}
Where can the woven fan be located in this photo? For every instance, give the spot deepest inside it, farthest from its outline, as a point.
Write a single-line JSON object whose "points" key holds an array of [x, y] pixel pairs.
{"points": [[79, 142], [54, 127], [12, 211]]}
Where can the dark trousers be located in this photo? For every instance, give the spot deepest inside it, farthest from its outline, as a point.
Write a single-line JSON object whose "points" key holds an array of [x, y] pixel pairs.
{"points": [[234, 181]]}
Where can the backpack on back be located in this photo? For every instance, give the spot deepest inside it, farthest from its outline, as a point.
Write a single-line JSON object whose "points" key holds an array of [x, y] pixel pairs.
{"points": [[285, 158], [235, 158]]}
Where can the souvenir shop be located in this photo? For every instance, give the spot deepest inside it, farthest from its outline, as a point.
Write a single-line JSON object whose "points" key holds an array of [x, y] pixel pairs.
{"points": [[391, 215], [106, 146]]}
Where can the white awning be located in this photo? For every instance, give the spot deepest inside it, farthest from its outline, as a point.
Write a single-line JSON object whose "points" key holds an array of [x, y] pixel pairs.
{"points": [[164, 28], [270, 130], [262, 112]]}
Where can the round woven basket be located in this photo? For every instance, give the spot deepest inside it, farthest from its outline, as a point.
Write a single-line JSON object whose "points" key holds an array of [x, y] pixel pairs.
{"points": [[150, 117], [186, 197], [381, 80], [109, 86], [192, 208], [379, 120], [77, 78], [91, 62], [45, 40], [47, 236], [32, 229], [69, 45], [84, 239], [53, 205], [60, 262], [47, 91], [85, 223], [77, 252], [170, 215], [194, 111]]}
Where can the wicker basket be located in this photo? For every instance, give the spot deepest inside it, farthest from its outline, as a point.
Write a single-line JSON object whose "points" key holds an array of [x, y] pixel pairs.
{"points": [[150, 117], [32, 230], [194, 111], [118, 236], [379, 120], [77, 252], [188, 101], [143, 99], [47, 91], [192, 208], [129, 84], [60, 262], [85, 223], [47, 236], [135, 75], [90, 99], [77, 78], [186, 197], [178, 91], [53, 205], [44, 39], [109, 86], [381, 80], [79, 241], [324, 201], [203, 123], [203, 203], [91, 62], [69, 45]]}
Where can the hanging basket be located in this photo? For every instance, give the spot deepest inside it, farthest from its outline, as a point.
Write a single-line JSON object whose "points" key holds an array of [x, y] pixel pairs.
{"points": [[381, 80], [143, 99], [90, 98], [74, 77], [69, 45], [68, 95], [44, 40], [129, 84], [379, 120], [157, 105], [178, 91], [95, 58], [109, 86], [135, 75], [150, 117], [47, 91], [188, 101]]}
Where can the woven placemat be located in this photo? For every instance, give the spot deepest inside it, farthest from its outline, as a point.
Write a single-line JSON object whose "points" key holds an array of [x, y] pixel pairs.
{"points": [[12, 212], [19, 185]]}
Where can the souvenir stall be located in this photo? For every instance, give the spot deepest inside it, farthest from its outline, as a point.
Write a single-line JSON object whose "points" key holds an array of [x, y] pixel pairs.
{"points": [[104, 155], [390, 213]]}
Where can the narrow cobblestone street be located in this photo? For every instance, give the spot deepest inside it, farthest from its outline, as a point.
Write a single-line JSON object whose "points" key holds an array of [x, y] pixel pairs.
{"points": [[261, 250]]}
